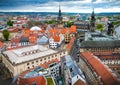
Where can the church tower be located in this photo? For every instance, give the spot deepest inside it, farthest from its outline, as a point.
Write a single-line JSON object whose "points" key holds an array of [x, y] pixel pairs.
{"points": [[92, 21], [59, 16]]}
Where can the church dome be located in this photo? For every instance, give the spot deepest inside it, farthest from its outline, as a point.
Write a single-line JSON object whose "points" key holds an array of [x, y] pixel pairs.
{"points": [[35, 28]]}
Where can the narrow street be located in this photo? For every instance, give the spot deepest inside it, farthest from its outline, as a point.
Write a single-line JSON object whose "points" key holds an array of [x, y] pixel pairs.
{"points": [[4, 82]]}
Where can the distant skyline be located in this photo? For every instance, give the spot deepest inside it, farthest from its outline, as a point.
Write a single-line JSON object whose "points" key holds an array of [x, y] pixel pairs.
{"points": [[73, 6]]}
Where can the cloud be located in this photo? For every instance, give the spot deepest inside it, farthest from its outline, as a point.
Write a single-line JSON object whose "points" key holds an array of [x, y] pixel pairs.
{"points": [[66, 5]]}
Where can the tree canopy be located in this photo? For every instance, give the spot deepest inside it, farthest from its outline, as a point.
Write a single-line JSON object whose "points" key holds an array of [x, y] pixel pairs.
{"points": [[100, 27], [51, 22], [6, 34], [10, 23], [69, 24]]}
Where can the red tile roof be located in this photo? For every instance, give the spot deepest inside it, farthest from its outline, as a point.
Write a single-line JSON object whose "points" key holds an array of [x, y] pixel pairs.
{"points": [[1, 44], [100, 69], [56, 38], [27, 31], [73, 29], [45, 65], [79, 82], [70, 43], [32, 39], [107, 55], [114, 66], [64, 30], [15, 40], [25, 35], [39, 80]]}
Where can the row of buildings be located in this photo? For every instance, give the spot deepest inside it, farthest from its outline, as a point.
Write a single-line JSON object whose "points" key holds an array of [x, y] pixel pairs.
{"points": [[49, 72], [99, 58]]}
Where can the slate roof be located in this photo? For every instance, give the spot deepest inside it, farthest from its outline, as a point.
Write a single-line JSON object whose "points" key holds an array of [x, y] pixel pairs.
{"points": [[101, 44], [42, 40], [24, 39]]}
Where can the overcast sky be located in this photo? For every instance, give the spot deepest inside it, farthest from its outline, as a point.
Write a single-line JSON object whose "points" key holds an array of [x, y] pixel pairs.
{"points": [[79, 6]]}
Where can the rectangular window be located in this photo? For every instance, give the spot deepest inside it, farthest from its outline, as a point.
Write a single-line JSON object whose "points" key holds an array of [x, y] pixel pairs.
{"points": [[34, 83], [27, 63], [28, 67], [33, 62]]}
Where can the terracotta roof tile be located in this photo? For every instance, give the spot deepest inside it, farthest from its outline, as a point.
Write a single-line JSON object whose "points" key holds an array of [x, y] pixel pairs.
{"points": [[70, 43], [107, 55], [32, 39], [39, 80], [100, 69], [45, 65], [27, 31], [79, 82], [56, 38], [15, 40], [73, 29], [1, 44], [25, 35], [64, 30]]}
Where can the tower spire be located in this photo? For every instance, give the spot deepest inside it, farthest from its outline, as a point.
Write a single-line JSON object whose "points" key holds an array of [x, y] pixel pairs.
{"points": [[59, 6], [92, 21], [59, 10], [59, 15], [93, 12]]}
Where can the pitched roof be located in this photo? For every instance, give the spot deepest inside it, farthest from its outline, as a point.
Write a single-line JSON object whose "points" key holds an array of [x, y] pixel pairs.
{"points": [[46, 65], [1, 44], [90, 44], [24, 39], [79, 82], [39, 80], [42, 40], [70, 44], [100, 69], [27, 31], [15, 40], [32, 39], [56, 38], [73, 29], [107, 55]]}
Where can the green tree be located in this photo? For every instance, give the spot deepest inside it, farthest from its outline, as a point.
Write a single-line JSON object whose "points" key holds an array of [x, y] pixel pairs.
{"points": [[69, 24], [6, 34], [10, 23], [100, 27], [51, 22]]}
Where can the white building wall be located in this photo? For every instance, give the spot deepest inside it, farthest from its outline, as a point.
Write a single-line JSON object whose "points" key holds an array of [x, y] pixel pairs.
{"points": [[17, 69], [54, 71], [8, 64]]}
